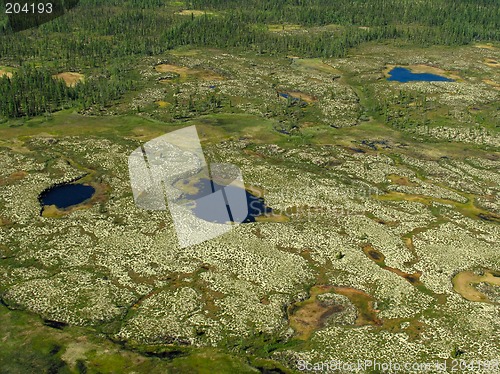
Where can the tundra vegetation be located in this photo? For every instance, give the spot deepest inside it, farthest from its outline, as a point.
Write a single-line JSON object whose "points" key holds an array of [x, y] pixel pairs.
{"points": [[383, 237]]}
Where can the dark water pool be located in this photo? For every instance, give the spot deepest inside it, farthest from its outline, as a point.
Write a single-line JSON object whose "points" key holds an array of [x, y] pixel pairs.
{"points": [[256, 205], [67, 195], [404, 75], [288, 96]]}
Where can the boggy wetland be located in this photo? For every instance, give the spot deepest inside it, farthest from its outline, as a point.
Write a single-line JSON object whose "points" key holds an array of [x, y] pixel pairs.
{"points": [[372, 183]]}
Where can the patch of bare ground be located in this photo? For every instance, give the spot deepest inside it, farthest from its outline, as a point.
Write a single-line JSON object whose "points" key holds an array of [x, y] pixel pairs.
{"points": [[494, 84], [491, 63], [401, 181], [309, 315], [12, 178], [302, 96], [70, 78], [464, 283], [8, 74], [4, 222], [485, 46]]}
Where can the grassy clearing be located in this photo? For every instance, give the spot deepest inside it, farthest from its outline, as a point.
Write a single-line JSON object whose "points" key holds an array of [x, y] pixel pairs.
{"points": [[468, 209], [69, 123], [16, 176], [283, 27], [491, 63], [28, 346], [302, 96], [492, 83], [376, 130], [193, 12], [163, 104], [70, 78], [401, 181], [314, 64], [486, 46], [184, 73], [186, 51], [169, 68], [6, 71], [211, 128], [211, 361], [7, 74]]}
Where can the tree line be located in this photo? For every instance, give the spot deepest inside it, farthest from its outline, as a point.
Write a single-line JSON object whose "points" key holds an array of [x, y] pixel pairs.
{"points": [[104, 35], [34, 91], [100, 31]]}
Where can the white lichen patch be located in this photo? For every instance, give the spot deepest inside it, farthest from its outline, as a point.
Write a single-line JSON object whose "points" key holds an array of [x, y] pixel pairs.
{"points": [[75, 297], [116, 261], [164, 316]]}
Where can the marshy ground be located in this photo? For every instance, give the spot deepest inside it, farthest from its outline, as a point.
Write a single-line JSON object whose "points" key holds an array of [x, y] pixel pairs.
{"points": [[386, 196]]}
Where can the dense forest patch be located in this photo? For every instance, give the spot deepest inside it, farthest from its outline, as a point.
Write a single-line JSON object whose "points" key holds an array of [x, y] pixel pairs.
{"points": [[93, 36]]}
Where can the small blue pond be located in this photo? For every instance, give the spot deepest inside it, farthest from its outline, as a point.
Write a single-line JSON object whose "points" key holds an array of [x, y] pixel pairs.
{"points": [[66, 195], [256, 205], [404, 75], [288, 96]]}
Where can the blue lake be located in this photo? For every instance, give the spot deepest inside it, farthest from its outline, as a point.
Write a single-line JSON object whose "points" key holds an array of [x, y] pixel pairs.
{"points": [[67, 195], [256, 205], [288, 96], [404, 75]]}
